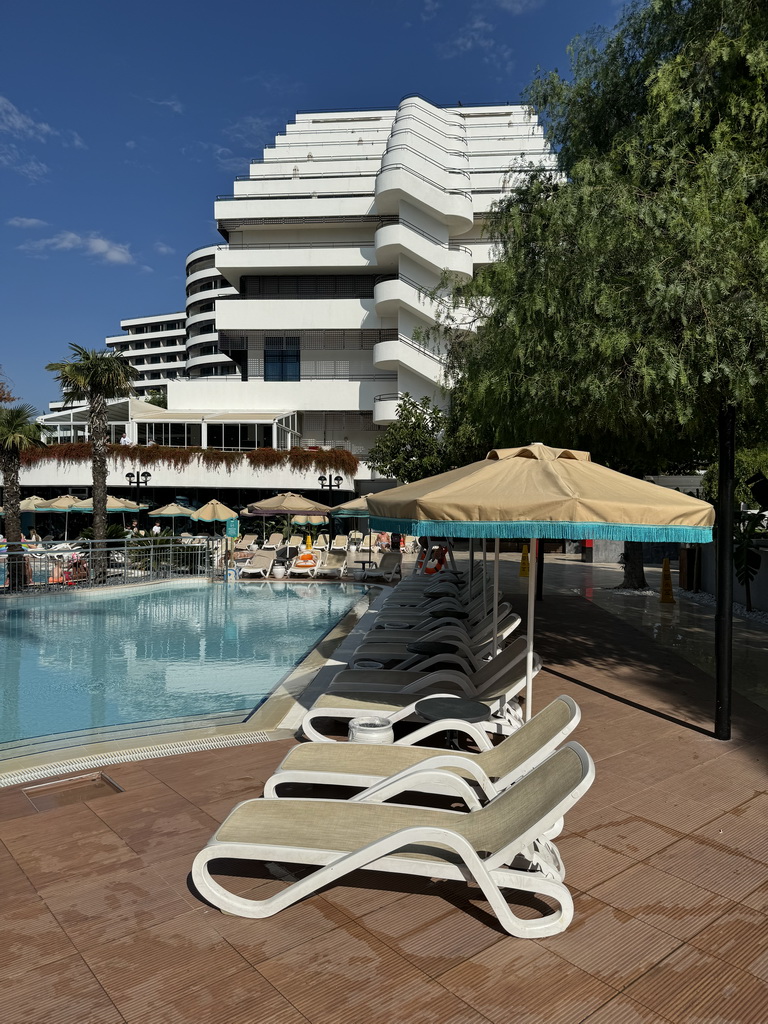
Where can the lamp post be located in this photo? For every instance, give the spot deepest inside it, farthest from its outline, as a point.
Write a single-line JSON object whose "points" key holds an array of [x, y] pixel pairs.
{"points": [[333, 481], [136, 480]]}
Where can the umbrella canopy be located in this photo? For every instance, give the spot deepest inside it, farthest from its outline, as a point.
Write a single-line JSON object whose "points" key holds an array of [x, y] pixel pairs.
{"points": [[31, 504], [305, 520], [64, 503], [113, 505], [173, 511], [539, 492], [214, 512], [357, 508], [542, 492], [287, 504]]}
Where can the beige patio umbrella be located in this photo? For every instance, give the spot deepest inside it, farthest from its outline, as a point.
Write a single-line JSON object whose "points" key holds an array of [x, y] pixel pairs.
{"points": [[173, 512], [357, 508], [537, 492], [113, 505], [31, 504], [65, 503], [213, 511], [287, 504]]}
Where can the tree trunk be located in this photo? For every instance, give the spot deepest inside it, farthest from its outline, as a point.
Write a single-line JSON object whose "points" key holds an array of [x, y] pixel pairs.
{"points": [[724, 553], [16, 570], [634, 571], [99, 437]]}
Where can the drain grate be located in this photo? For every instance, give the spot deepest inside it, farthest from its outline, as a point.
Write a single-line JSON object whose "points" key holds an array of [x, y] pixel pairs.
{"points": [[78, 764], [74, 790]]}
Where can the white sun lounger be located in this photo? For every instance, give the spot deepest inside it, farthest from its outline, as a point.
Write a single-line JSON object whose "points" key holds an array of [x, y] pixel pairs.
{"points": [[341, 836]]}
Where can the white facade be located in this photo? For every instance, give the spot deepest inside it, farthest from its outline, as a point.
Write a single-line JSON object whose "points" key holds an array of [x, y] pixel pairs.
{"points": [[317, 309]]}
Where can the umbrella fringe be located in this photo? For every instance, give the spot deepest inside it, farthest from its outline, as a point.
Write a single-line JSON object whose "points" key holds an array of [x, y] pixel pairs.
{"points": [[525, 529]]}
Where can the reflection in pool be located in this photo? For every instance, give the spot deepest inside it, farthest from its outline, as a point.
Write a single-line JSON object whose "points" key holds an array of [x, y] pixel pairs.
{"points": [[91, 659]]}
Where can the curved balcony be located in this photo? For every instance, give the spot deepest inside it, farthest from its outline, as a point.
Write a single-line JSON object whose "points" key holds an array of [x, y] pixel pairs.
{"points": [[404, 238], [396, 183], [236, 261], [403, 353], [393, 294], [385, 408]]}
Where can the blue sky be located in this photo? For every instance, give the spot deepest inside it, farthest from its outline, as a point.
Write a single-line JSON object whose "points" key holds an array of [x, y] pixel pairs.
{"points": [[121, 123]]}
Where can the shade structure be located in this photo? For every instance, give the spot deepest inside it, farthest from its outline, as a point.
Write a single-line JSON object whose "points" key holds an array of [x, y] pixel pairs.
{"points": [[287, 504], [538, 492], [113, 505], [357, 508], [213, 511], [306, 520], [31, 504], [172, 511], [542, 492], [65, 503]]}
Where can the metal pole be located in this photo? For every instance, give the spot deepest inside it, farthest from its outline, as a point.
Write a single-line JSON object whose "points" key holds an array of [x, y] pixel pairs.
{"points": [[496, 600], [529, 642], [724, 555], [539, 570]]}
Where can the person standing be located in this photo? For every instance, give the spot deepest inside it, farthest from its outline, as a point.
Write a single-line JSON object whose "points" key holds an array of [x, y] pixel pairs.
{"points": [[156, 528]]}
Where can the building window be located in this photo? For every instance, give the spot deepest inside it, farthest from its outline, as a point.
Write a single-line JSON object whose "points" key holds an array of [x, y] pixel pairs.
{"points": [[282, 359]]}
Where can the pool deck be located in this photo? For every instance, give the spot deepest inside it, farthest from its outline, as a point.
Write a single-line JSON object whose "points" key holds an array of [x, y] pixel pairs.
{"points": [[666, 856]]}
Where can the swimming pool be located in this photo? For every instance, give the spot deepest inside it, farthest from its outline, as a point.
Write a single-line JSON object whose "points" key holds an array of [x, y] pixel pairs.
{"points": [[90, 660]]}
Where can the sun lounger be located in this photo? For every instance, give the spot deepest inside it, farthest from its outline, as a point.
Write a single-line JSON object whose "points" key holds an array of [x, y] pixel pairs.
{"points": [[343, 836], [340, 542], [304, 564], [259, 564], [246, 542], [389, 567], [476, 778], [498, 691], [335, 564], [275, 541], [322, 542]]}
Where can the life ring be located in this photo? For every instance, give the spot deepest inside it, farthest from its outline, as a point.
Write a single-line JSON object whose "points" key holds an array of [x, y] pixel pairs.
{"points": [[439, 559]]}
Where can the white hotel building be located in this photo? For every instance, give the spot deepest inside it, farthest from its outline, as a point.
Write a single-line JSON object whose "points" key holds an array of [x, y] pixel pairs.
{"points": [[306, 325]]}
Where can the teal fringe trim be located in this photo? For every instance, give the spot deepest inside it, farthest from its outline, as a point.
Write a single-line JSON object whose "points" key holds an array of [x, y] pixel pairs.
{"points": [[545, 530]]}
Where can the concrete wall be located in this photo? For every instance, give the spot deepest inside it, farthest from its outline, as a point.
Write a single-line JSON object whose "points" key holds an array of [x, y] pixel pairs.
{"points": [[759, 586]]}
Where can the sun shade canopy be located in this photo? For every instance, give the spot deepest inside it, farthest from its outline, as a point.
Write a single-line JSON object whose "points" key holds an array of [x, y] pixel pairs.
{"points": [[287, 504], [537, 491]]}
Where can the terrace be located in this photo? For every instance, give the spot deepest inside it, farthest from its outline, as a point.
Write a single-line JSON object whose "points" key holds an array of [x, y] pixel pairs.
{"points": [[665, 855]]}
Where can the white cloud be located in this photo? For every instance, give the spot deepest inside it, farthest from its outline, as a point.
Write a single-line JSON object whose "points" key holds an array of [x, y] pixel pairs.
{"points": [[430, 9], [163, 249], [19, 132], [130, 144], [101, 249], [172, 104], [251, 131], [520, 6], [481, 36], [26, 222]]}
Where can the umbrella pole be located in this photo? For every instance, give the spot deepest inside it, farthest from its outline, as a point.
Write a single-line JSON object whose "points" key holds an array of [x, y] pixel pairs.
{"points": [[471, 562], [496, 600], [485, 576], [529, 643]]}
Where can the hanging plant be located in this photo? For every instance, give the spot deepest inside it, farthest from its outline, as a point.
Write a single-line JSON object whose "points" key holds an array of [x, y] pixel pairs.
{"points": [[334, 460]]}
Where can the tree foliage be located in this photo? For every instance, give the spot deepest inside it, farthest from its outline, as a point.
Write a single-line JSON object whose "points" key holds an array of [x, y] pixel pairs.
{"points": [[628, 304], [414, 446], [96, 377], [19, 432]]}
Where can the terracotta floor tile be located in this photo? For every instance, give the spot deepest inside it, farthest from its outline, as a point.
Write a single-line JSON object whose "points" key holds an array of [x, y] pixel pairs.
{"points": [[625, 833], [587, 864], [662, 900], [622, 1010], [29, 937], [742, 830], [669, 809], [349, 976], [14, 805], [690, 987], [439, 929], [713, 866], [99, 910], [64, 992], [363, 892], [707, 786], [519, 982], [89, 848], [160, 822], [740, 937], [14, 884], [758, 899], [260, 939], [242, 998], [162, 962], [606, 942]]}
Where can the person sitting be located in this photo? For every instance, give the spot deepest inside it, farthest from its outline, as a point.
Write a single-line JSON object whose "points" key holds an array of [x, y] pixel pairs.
{"points": [[382, 541]]}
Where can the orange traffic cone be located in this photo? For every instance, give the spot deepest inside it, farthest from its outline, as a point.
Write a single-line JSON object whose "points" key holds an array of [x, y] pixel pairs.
{"points": [[525, 566], [667, 595]]}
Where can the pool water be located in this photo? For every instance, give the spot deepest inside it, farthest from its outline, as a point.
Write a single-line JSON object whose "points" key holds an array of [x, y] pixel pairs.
{"points": [[89, 659]]}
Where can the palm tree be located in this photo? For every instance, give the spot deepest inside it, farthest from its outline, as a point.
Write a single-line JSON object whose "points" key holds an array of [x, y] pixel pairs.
{"points": [[96, 377], [18, 432]]}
